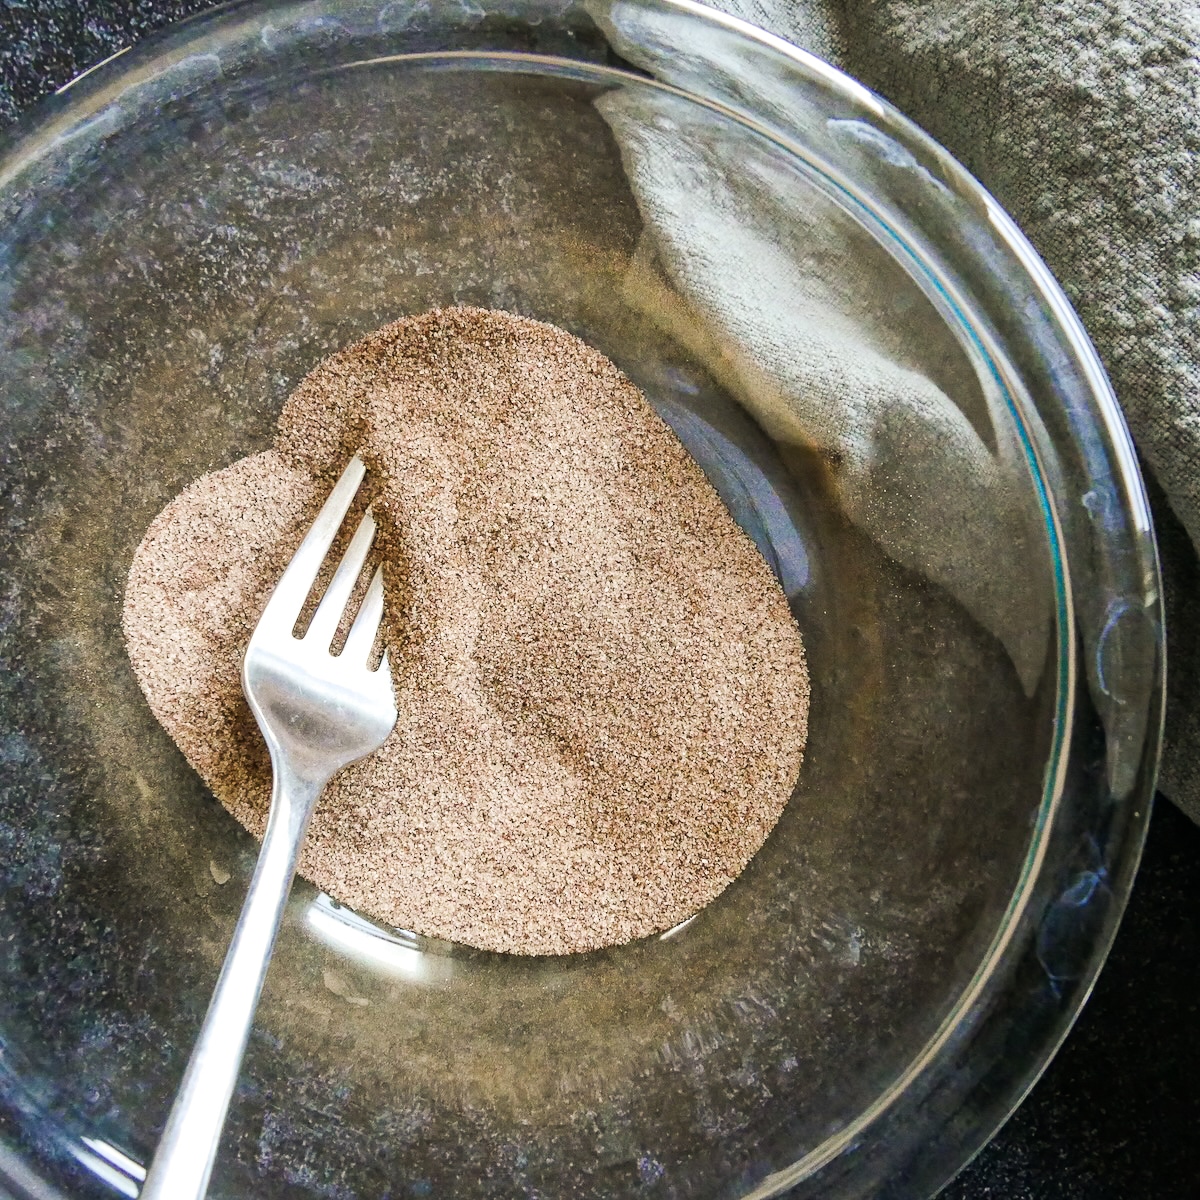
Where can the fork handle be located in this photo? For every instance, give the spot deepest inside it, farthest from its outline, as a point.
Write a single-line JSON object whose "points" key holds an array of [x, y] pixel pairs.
{"points": [[184, 1159]]}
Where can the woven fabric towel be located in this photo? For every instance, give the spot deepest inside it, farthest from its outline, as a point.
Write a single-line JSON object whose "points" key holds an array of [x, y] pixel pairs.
{"points": [[1080, 116]]}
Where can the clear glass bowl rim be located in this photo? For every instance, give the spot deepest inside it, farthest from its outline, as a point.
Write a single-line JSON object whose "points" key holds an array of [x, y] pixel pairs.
{"points": [[36, 133]]}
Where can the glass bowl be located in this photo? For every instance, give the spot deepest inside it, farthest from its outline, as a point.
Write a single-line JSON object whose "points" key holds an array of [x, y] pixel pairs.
{"points": [[893, 398]]}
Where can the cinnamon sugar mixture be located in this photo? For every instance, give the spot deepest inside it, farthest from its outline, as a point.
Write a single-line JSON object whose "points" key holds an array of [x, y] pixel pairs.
{"points": [[602, 692]]}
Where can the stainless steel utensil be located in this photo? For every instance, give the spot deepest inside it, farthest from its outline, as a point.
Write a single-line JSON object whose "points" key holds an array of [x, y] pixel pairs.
{"points": [[319, 712]]}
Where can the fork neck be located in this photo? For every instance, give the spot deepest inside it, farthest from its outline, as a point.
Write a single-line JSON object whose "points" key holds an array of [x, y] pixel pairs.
{"points": [[294, 794]]}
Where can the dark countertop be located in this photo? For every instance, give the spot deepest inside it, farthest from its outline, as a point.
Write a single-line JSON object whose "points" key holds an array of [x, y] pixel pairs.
{"points": [[1117, 1115]]}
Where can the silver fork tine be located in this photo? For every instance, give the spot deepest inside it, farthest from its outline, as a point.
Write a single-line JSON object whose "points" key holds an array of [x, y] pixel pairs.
{"points": [[329, 612], [366, 625], [296, 582]]}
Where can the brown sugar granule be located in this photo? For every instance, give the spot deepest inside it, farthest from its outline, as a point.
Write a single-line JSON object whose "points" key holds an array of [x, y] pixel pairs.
{"points": [[602, 692]]}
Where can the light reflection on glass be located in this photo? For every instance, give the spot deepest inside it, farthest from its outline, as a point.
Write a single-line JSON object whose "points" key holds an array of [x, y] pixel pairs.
{"points": [[106, 1162], [667, 934], [395, 952]]}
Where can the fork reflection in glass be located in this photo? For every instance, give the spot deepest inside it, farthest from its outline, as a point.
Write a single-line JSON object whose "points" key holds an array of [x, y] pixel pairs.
{"points": [[318, 712]]}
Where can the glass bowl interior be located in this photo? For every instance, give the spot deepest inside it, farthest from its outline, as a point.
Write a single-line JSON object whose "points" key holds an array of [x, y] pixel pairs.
{"points": [[179, 251]]}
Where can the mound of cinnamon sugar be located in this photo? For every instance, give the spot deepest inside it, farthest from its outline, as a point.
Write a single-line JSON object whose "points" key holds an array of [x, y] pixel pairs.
{"points": [[602, 692]]}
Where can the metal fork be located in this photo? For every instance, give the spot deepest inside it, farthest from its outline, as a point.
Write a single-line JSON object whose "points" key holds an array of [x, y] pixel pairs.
{"points": [[318, 713]]}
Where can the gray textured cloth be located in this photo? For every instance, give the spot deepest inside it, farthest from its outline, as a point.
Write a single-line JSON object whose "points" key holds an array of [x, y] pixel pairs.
{"points": [[1083, 118], [1080, 116], [778, 290]]}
